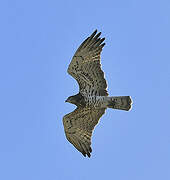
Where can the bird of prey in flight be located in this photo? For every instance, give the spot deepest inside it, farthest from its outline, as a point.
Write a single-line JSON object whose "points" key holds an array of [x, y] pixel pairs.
{"points": [[92, 99]]}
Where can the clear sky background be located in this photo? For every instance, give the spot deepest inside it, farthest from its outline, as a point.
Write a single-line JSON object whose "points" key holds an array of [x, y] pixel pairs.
{"points": [[37, 41]]}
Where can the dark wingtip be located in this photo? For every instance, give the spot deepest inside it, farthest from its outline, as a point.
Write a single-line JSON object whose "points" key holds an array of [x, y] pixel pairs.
{"points": [[84, 154], [90, 149], [98, 34], [89, 155], [94, 33], [102, 45]]}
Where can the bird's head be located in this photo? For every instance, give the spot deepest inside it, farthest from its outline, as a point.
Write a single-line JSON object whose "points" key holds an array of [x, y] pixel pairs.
{"points": [[71, 100]]}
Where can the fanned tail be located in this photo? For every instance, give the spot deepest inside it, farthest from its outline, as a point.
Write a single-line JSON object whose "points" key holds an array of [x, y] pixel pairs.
{"points": [[120, 102]]}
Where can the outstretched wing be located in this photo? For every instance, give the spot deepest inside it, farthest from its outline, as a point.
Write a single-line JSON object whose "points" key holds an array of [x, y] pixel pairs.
{"points": [[85, 66], [78, 126]]}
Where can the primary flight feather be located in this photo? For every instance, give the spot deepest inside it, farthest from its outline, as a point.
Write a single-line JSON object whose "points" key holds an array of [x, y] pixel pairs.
{"points": [[92, 99]]}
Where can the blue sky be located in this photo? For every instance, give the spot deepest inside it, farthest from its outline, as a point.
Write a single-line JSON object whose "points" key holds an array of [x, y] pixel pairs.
{"points": [[37, 42]]}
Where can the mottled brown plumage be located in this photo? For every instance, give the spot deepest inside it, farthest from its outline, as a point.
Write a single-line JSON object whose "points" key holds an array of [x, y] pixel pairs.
{"points": [[78, 126], [92, 99]]}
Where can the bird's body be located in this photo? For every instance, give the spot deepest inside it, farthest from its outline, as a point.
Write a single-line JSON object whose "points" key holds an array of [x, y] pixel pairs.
{"points": [[97, 102], [92, 99]]}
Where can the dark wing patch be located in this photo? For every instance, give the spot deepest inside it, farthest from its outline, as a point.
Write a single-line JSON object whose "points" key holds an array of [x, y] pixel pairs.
{"points": [[78, 126], [85, 66]]}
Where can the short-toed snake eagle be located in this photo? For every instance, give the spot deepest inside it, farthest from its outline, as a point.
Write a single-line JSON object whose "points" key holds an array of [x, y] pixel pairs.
{"points": [[92, 99]]}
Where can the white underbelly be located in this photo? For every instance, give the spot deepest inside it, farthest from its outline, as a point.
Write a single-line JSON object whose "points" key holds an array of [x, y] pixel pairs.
{"points": [[97, 101]]}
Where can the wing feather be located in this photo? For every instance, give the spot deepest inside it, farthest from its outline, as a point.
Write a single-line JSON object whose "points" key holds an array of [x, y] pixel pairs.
{"points": [[79, 125], [85, 66]]}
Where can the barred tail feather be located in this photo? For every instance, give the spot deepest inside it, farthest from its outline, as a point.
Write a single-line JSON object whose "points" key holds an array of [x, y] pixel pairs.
{"points": [[120, 102]]}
